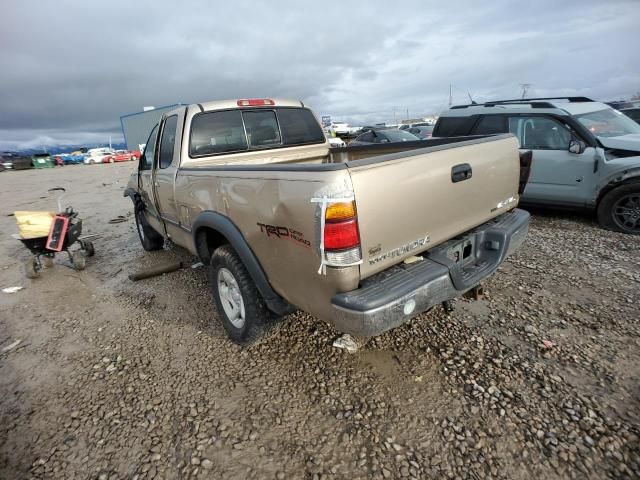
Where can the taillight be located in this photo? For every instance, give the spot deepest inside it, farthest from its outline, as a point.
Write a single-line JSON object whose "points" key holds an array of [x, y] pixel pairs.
{"points": [[341, 239], [338, 236], [255, 102]]}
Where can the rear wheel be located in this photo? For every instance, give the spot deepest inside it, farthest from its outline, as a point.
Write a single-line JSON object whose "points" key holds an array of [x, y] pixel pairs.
{"points": [[132, 158], [243, 313], [619, 209], [149, 238]]}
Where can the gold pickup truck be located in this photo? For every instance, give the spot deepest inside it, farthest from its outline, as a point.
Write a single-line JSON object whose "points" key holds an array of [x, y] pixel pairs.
{"points": [[363, 237]]}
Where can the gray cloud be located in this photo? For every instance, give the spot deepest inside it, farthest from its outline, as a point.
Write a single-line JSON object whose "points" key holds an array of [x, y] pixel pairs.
{"points": [[79, 66]]}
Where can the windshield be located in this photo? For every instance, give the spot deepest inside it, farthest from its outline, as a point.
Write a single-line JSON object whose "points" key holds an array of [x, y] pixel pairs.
{"points": [[608, 123], [399, 136]]}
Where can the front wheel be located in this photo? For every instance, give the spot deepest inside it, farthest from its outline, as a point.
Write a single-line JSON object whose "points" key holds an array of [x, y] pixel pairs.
{"points": [[243, 313], [32, 268], [79, 260], [149, 238], [619, 209]]}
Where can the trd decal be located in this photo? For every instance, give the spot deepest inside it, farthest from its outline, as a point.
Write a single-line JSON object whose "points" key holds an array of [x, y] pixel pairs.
{"points": [[285, 233]]}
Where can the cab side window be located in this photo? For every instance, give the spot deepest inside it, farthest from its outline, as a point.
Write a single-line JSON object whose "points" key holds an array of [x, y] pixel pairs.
{"points": [[540, 133], [168, 141], [146, 160]]}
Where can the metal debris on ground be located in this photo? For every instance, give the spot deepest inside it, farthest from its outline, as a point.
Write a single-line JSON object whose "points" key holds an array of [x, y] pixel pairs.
{"points": [[155, 271], [346, 342], [11, 289], [197, 265], [11, 346], [118, 219]]}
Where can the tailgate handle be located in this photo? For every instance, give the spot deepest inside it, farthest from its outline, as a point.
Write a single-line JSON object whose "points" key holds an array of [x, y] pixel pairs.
{"points": [[461, 172]]}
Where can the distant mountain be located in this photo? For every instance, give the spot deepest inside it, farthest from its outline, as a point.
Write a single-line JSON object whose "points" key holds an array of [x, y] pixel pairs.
{"points": [[67, 148]]}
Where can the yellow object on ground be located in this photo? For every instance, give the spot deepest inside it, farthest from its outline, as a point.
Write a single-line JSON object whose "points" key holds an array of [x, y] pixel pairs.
{"points": [[34, 224]]}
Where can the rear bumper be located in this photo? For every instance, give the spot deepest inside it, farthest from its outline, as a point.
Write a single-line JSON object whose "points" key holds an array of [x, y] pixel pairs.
{"points": [[399, 293]]}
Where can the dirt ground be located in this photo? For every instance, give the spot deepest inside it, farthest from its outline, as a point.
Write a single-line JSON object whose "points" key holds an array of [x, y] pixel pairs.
{"points": [[115, 379]]}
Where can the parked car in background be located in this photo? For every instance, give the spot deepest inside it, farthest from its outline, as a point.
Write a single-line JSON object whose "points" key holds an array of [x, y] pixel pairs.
{"points": [[336, 142], [342, 128], [407, 126], [72, 158], [122, 156], [135, 154], [421, 132], [383, 135], [585, 154], [98, 155], [632, 113], [11, 161], [42, 160]]}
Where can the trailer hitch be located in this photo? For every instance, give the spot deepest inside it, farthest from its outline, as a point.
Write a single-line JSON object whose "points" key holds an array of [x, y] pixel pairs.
{"points": [[476, 293]]}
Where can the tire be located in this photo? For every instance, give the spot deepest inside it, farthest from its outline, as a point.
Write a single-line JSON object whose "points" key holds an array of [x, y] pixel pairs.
{"points": [[31, 268], [243, 313], [91, 162], [132, 158], [111, 160], [149, 238], [619, 210], [79, 260], [89, 248]]}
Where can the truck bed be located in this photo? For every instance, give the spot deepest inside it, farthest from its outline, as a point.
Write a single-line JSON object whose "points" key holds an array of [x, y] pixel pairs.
{"points": [[314, 157]]}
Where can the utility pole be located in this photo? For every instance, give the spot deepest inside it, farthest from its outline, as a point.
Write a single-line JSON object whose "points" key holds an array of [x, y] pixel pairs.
{"points": [[394, 114], [525, 87], [450, 97], [407, 113]]}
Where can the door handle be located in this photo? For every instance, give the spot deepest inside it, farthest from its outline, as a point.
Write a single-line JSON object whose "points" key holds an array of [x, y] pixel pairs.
{"points": [[461, 172]]}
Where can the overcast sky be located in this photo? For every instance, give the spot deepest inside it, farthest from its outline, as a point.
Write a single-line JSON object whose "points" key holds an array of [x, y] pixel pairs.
{"points": [[70, 69]]}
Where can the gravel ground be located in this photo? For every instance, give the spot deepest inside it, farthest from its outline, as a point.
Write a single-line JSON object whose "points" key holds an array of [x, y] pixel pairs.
{"points": [[114, 379]]}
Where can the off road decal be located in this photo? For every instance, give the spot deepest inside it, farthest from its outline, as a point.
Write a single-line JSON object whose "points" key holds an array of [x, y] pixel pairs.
{"points": [[284, 233]]}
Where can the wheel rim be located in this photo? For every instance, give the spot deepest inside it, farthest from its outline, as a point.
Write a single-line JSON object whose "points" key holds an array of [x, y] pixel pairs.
{"points": [[231, 298], [626, 212]]}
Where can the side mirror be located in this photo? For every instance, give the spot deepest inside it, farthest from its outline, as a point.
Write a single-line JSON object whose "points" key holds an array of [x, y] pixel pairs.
{"points": [[576, 146]]}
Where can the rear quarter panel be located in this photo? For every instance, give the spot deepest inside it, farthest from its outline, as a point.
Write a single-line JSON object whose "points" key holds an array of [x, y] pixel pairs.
{"points": [[274, 212]]}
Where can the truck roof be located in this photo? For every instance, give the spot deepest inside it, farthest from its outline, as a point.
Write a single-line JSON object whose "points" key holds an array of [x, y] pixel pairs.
{"points": [[248, 102], [555, 105]]}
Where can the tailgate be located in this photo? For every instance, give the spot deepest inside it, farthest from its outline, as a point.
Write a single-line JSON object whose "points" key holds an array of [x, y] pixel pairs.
{"points": [[411, 201]]}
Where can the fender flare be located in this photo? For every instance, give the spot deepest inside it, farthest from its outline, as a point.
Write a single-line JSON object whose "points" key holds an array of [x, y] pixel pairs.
{"points": [[225, 227], [130, 192], [622, 177]]}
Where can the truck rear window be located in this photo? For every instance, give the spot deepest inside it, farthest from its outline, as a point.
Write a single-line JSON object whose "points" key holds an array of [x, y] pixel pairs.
{"points": [[241, 130]]}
